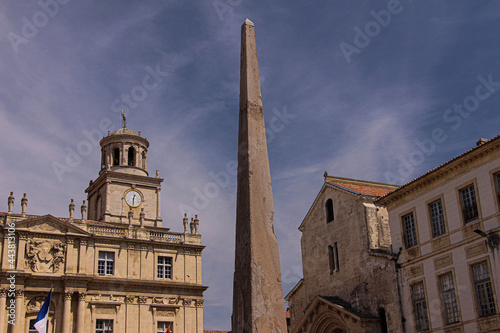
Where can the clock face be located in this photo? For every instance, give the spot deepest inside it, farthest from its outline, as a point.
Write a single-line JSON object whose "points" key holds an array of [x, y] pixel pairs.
{"points": [[133, 198]]}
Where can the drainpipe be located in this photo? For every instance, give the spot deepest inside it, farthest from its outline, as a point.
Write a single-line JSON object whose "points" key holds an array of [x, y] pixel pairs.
{"points": [[398, 266]]}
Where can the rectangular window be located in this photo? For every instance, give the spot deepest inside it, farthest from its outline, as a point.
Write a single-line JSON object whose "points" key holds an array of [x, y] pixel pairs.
{"points": [[449, 299], [333, 256], [484, 291], [105, 264], [163, 326], [336, 253], [32, 328], [437, 218], [420, 306], [496, 177], [469, 204], [331, 259], [410, 233], [164, 267], [104, 326]]}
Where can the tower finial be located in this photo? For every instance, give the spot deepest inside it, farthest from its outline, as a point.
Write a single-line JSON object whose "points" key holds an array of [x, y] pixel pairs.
{"points": [[124, 119]]}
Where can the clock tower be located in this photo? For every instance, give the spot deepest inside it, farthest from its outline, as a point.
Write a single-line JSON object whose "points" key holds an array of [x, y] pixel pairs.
{"points": [[124, 192]]}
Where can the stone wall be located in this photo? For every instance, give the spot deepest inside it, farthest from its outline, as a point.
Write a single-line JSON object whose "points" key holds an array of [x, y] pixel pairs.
{"points": [[366, 272]]}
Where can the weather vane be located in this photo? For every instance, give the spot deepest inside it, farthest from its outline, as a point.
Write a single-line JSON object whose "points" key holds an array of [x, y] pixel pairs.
{"points": [[124, 119]]}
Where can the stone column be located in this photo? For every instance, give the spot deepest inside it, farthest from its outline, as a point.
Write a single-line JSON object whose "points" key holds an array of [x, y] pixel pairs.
{"points": [[20, 316], [80, 317], [66, 312], [124, 155], [3, 312], [109, 157], [136, 157]]}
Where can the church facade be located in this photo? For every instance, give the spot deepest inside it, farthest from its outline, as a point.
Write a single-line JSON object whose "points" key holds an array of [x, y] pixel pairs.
{"points": [[115, 269], [346, 255]]}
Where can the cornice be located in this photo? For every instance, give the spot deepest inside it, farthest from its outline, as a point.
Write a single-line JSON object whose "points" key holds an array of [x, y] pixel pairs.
{"points": [[119, 138], [450, 168], [114, 176]]}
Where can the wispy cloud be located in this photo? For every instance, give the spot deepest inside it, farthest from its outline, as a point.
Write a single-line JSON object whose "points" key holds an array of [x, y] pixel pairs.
{"points": [[352, 120]]}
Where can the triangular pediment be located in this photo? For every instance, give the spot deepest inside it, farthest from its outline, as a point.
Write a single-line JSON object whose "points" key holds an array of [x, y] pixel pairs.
{"points": [[50, 224], [321, 200]]}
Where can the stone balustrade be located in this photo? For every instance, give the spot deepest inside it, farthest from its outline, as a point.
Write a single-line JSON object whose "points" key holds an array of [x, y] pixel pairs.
{"points": [[162, 236], [107, 230]]}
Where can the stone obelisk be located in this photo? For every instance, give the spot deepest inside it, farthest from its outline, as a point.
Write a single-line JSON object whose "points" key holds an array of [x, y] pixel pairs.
{"points": [[258, 304]]}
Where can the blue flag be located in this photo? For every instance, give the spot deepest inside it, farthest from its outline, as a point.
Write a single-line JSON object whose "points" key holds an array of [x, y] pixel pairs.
{"points": [[43, 316]]}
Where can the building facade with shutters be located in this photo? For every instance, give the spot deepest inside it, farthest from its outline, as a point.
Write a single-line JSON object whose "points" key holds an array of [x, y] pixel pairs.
{"points": [[115, 269], [446, 223], [349, 275]]}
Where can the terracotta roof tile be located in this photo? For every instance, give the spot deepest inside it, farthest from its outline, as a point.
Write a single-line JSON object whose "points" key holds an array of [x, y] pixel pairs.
{"points": [[366, 189], [361, 186]]}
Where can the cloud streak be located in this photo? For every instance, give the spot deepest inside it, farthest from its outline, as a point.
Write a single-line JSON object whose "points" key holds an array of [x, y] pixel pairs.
{"points": [[352, 120]]}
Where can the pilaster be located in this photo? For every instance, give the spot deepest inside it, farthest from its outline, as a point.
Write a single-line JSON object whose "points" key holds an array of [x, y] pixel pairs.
{"points": [[21, 249], [5, 252], [71, 256], [3, 312], [82, 267]]}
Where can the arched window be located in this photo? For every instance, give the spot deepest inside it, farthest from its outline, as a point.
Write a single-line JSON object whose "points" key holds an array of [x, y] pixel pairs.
{"points": [[383, 320], [329, 210], [131, 156], [116, 156]]}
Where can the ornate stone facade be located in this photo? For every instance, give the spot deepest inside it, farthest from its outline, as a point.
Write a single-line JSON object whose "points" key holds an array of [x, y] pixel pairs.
{"points": [[119, 267]]}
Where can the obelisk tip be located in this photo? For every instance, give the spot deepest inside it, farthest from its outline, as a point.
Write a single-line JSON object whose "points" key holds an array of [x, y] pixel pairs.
{"points": [[248, 22]]}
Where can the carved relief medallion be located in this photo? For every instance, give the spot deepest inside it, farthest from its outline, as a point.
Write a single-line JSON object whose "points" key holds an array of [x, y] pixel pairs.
{"points": [[45, 256]]}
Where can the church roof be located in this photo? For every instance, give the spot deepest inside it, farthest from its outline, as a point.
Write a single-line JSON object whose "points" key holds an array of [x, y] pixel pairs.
{"points": [[360, 186], [353, 186]]}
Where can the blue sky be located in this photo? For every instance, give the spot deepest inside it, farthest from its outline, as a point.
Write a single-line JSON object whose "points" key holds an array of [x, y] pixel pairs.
{"points": [[375, 90]]}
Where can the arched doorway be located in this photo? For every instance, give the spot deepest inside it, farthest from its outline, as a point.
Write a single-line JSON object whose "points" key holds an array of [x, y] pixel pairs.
{"points": [[329, 322]]}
